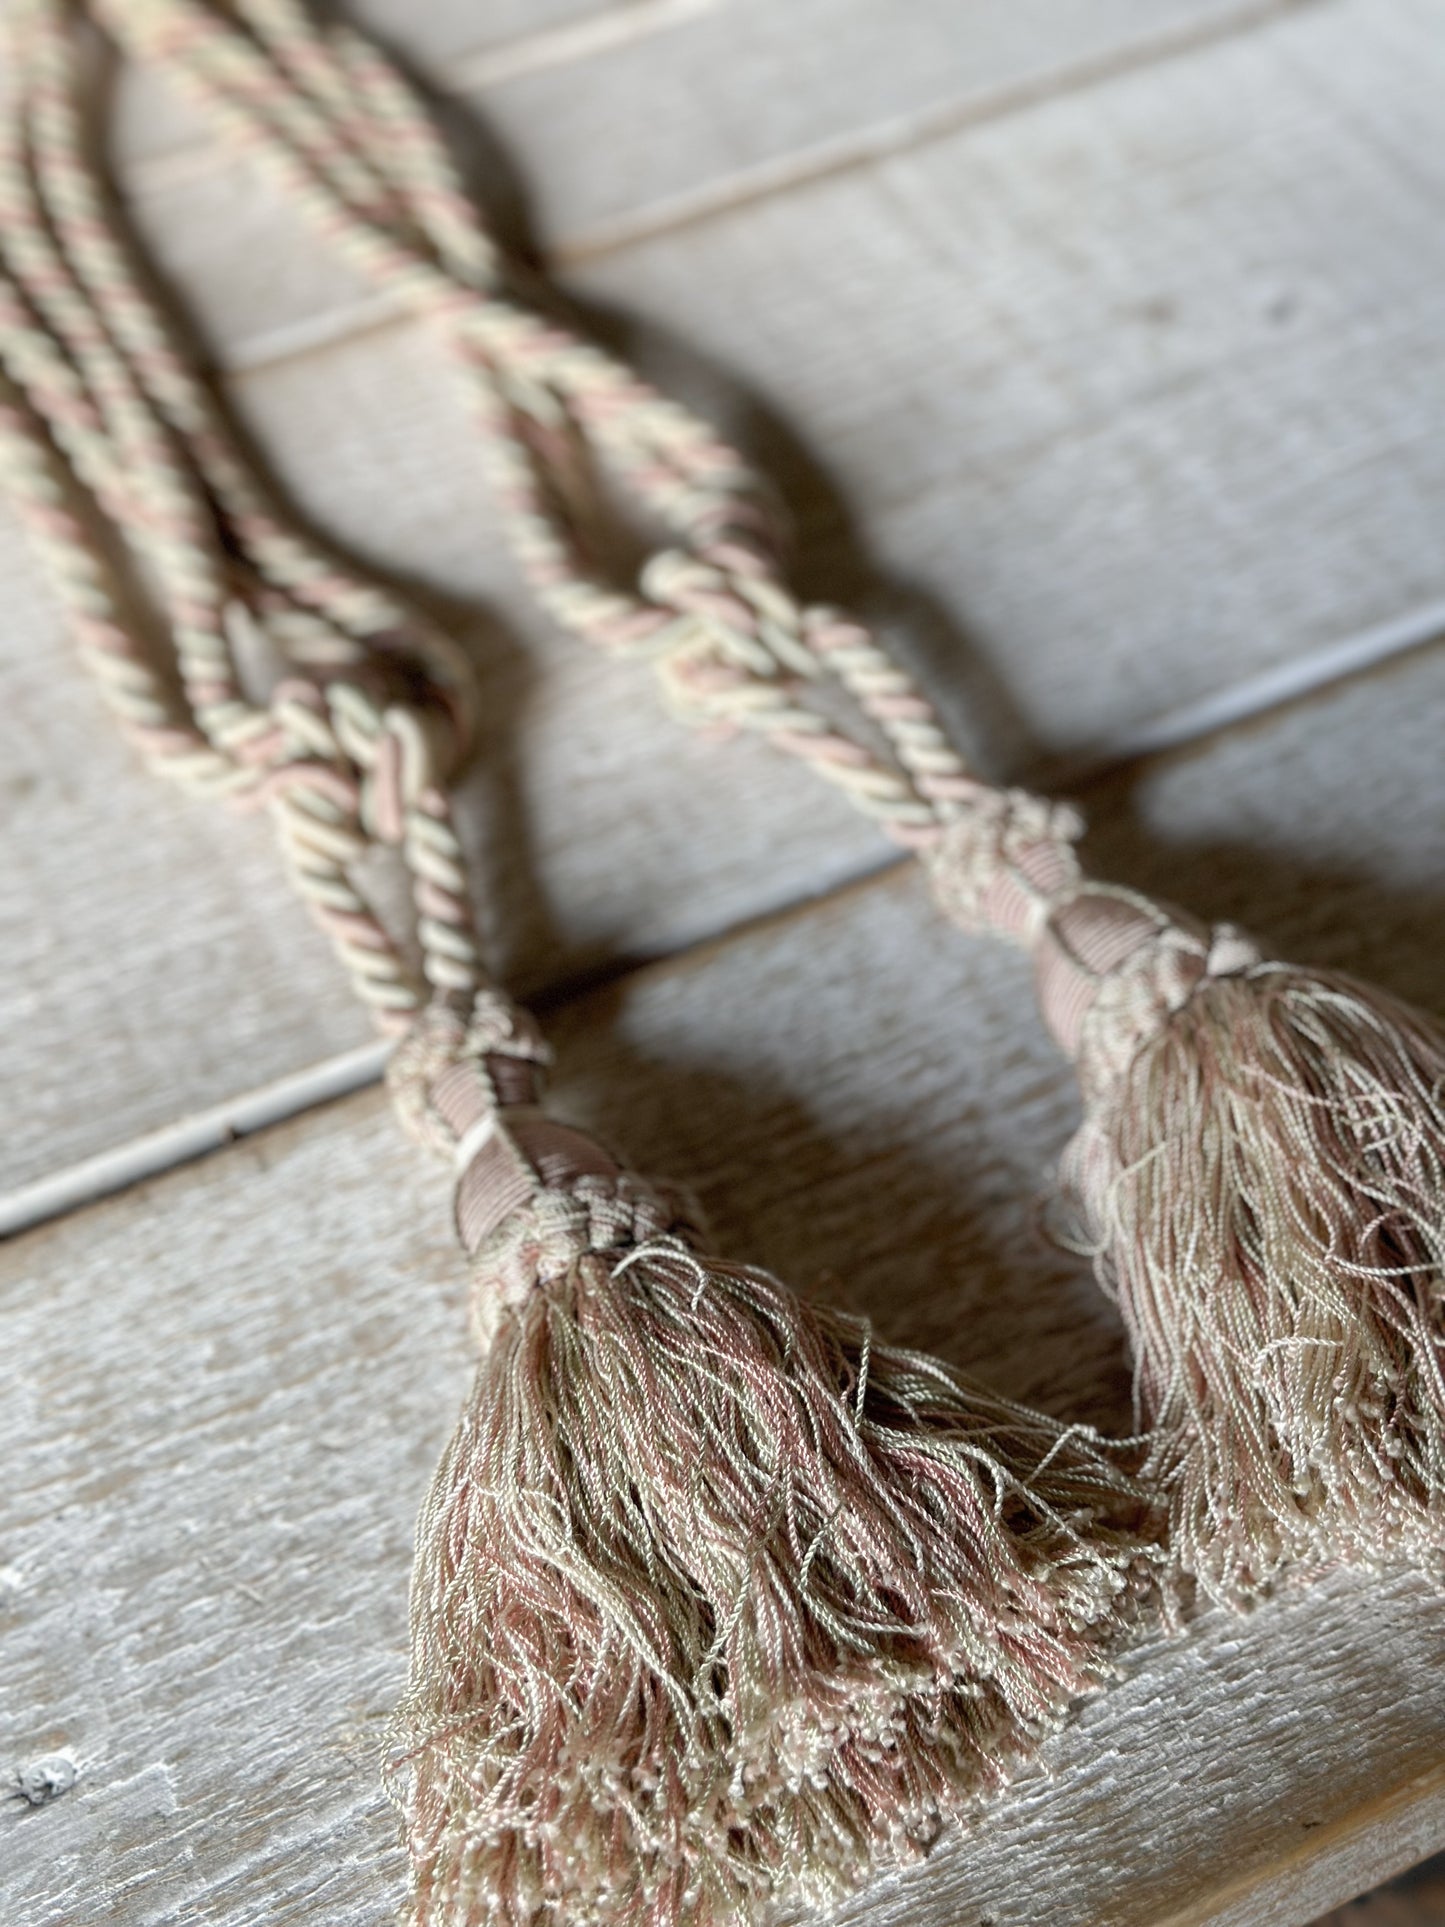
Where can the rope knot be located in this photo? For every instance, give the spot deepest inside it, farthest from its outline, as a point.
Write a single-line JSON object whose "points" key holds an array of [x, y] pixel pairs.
{"points": [[468, 1084], [733, 625], [458, 1067], [598, 1216], [1007, 863], [1113, 967]]}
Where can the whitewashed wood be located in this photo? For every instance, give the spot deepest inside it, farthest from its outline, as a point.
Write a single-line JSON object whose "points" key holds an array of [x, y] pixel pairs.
{"points": [[693, 101], [1116, 383], [1086, 514], [445, 37], [1075, 355], [1061, 373], [222, 1391]]}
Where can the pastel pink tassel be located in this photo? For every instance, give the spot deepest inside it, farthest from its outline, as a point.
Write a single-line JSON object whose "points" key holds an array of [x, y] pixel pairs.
{"points": [[1260, 1180], [716, 1599]]}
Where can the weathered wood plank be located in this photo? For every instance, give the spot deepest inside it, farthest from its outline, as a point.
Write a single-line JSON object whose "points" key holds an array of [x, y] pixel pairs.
{"points": [[1063, 373], [1091, 380], [690, 99], [1092, 478], [222, 1393], [448, 40]]}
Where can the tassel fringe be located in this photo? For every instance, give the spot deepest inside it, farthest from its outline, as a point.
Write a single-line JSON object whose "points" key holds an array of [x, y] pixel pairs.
{"points": [[716, 1599], [1263, 1191]]}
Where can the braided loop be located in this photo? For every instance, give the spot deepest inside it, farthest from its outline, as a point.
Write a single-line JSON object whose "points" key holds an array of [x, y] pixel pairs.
{"points": [[199, 578], [340, 129], [354, 745]]}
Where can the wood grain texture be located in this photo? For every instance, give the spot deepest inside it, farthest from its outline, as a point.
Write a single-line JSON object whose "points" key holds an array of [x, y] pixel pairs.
{"points": [[1090, 379], [222, 1393], [1047, 396], [448, 40], [694, 101]]}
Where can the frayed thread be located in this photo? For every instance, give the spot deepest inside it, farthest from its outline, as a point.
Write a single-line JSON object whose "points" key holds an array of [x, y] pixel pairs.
{"points": [[1262, 1188], [718, 1600]]}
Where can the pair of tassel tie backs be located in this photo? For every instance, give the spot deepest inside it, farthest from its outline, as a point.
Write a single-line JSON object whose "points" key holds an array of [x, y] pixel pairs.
{"points": [[718, 1599]]}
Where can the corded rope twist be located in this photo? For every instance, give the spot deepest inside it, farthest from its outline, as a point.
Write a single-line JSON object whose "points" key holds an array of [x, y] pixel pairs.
{"points": [[343, 133], [356, 739], [342, 761]]}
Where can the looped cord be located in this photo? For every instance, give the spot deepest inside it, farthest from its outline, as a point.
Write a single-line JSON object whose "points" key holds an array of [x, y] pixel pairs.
{"points": [[532, 1194], [355, 745], [184, 581], [342, 131]]}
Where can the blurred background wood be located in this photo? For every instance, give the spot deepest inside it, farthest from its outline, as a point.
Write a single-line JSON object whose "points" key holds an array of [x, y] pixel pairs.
{"points": [[1099, 349]]}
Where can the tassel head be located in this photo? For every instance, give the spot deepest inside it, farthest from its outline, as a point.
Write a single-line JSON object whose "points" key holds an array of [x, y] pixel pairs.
{"points": [[1261, 1181]]}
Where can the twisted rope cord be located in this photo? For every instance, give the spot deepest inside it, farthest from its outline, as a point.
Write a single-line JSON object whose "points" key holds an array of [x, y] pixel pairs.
{"points": [[340, 129], [96, 399], [353, 743]]}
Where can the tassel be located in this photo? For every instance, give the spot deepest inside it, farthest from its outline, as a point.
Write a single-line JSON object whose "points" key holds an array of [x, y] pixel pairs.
{"points": [[1260, 1180], [715, 1599]]}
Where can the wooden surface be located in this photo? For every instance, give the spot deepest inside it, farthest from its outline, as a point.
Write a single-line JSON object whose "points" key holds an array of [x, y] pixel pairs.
{"points": [[1100, 349]]}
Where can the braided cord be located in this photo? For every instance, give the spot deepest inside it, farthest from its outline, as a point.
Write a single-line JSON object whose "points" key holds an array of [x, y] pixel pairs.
{"points": [[181, 573], [334, 122], [181, 565]]}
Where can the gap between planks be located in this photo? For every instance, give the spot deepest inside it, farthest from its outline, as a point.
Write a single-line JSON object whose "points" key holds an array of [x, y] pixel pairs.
{"points": [[623, 24], [907, 134], [828, 159], [1397, 1815], [1191, 725]]}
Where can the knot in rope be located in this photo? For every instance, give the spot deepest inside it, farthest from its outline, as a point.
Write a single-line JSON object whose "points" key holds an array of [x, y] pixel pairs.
{"points": [[1112, 967], [1007, 863], [468, 1085], [734, 625], [601, 1218], [458, 1065]]}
